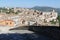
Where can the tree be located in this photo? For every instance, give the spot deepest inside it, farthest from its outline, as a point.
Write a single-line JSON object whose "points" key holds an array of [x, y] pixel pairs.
{"points": [[58, 18], [16, 12], [53, 22], [7, 12], [11, 10]]}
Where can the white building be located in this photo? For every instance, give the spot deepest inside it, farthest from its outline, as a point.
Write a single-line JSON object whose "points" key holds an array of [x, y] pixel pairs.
{"points": [[48, 16]]}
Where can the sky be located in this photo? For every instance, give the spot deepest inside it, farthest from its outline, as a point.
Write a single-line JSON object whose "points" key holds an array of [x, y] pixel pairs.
{"points": [[29, 3]]}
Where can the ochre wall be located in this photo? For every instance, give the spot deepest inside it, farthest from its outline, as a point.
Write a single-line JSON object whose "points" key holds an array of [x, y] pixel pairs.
{"points": [[7, 23]]}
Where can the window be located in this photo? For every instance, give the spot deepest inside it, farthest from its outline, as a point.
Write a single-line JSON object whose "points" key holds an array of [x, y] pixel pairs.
{"points": [[23, 21], [37, 12], [51, 14], [10, 22], [45, 21], [41, 13], [33, 13], [6, 23]]}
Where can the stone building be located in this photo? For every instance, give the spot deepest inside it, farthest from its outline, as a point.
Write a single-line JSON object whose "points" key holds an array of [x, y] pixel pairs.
{"points": [[30, 16], [49, 16]]}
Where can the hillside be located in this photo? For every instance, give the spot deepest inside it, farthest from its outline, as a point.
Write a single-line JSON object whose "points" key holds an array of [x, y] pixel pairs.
{"points": [[46, 9]]}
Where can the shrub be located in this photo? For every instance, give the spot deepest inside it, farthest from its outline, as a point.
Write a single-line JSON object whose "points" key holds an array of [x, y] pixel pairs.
{"points": [[53, 22]]}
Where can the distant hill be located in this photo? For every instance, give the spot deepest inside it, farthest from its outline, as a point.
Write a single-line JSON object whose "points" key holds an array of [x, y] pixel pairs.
{"points": [[46, 9]]}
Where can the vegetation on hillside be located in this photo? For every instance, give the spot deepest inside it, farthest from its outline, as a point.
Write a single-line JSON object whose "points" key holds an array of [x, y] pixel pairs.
{"points": [[11, 10], [46, 9]]}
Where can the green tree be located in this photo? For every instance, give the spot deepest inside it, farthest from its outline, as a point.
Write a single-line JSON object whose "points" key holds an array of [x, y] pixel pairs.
{"points": [[11, 10], [19, 11], [16, 12], [53, 22], [58, 18]]}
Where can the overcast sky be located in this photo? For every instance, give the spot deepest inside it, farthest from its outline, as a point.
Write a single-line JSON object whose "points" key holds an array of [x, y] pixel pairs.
{"points": [[29, 3]]}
